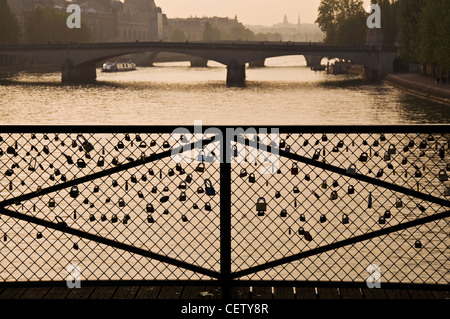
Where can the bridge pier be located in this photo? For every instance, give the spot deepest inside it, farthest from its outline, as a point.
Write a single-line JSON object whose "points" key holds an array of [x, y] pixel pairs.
{"points": [[83, 73], [235, 74], [257, 64], [198, 62], [313, 60]]}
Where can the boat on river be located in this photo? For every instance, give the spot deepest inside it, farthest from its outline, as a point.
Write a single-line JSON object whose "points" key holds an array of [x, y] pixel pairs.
{"points": [[118, 66]]}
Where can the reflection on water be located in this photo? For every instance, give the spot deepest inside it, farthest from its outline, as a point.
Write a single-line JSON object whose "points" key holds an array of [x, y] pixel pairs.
{"points": [[283, 93]]}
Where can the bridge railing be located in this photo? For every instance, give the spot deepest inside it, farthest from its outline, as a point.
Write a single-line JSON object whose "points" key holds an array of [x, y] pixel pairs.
{"points": [[287, 206]]}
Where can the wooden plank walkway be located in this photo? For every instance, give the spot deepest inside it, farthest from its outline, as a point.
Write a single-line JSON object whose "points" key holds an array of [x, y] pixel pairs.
{"points": [[208, 292]]}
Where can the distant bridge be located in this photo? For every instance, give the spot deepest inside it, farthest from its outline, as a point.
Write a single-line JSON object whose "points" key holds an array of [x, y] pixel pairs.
{"points": [[78, 61]]}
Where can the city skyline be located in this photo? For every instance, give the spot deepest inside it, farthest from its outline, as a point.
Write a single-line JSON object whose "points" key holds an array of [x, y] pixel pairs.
{"points": [[249, 12]]}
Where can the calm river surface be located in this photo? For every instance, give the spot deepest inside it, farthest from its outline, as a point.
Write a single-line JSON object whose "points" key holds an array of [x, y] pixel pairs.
{"points": [[285, 92]]}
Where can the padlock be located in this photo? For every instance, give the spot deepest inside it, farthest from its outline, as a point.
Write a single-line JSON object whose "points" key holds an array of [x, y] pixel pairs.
{"points": [[363, 157], [74, 192], [10, 150], [57, 172], [316, 155], [150, 208], [405, 148], [380, 173], [302, 217], [184, 218], [140, 195], [133, 178], [125, 219], [39, 235], [418, 173], [81, 163], [75, 246], [45, 149], [138, 138], [86, 201], [114, 218], [423, 144], [68, 159], [387, 214], [115, 183], [287, 149], [144, 177], [277, 194], [127, 137], [251, 178], [63, 177], [103, 217], [324, 137], [142, 144], [92, 218], [120, 145], [392, 150], [108, 200], [295, 190], [166, 211], [323, 218], [398, 203], [375, 143], [307, 177], [182, 197], [164, 199], [166, 144], [345, 219], [301, 231], [188, 178], [308, 236], [182, 185], [324, 185], [294, 169], [351, 169], [333, 195], [87, 146], [418, 244], [51, 203], [243, 172], [282, 144], [381, 220], [261, 205], [165, 189], [209, 189], [60, 221], [200, 190], [115, 161], [443, 175], [150, 219], [387, 157], [151, 172], [121, 202], [430, 138], [200, 167], [335, 183], [208, 207], [283, 213]]}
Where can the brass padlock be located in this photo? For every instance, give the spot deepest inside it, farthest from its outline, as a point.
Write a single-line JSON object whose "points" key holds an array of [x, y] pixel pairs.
{"points": [[333, 195]]}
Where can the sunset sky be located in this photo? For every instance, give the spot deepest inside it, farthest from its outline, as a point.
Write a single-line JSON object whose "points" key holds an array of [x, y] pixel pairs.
{"points": [[263, 12]]}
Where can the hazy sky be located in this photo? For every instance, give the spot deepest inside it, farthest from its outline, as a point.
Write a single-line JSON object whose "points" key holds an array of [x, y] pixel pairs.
{"points": [[264, 12]]}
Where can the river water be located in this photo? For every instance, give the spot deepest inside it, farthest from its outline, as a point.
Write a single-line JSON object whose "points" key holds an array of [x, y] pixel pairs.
{"points": [[285, 92]]}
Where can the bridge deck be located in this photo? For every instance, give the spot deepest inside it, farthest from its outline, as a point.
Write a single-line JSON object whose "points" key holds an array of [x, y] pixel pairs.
{"points": [[195, 292]]}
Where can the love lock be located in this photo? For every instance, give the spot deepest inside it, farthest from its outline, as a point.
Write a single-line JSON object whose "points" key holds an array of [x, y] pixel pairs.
{"points": [[324, 185], [443, 175], [333, 195], [150, 208], [418, 244], [182, 185], [182, 197], [140, 195], [121, 202], [133, 178], [243, 172], [391, 149], [261, 205], [251, 178], [74, 192], [209, 189], [92, 218], [81, 163], [51, 203], [294, 169], [363, 157], [120, 145], [447, 191], [142, 144], [114, 218], [323, 218], [277, 194], [387, 214], [150, 219], [171, 172], [103, 217], [398, 203], [308, 236], [166, 144], [200, 167], [296, 190], [381, 220], [283, 213], [387, 157], [302, 217], [316, 155], [85, 144], [351, 169], [184, 218], [345, 219], [301, 231], [282, 143], [208, 207]]}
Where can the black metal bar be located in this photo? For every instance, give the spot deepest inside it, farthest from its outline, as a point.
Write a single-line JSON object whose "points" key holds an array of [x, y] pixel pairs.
{"points": [[341, 243], [225, 221], [105, 241], [106, 172]]}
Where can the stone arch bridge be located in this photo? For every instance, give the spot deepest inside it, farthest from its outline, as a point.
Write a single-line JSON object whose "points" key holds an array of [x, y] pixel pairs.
{"points": [[78, 61]]}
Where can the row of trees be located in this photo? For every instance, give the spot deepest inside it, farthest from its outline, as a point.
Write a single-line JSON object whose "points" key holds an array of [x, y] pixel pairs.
{"points": [[42, 25], [420, 28]]}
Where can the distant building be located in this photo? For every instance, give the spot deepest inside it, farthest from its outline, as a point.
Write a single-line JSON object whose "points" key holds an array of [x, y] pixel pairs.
{"points": [[109, 20]]}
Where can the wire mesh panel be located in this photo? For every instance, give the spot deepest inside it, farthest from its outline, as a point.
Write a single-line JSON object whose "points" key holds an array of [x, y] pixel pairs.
{"points": [[338, 188], [307, 204], [80, 181]]}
